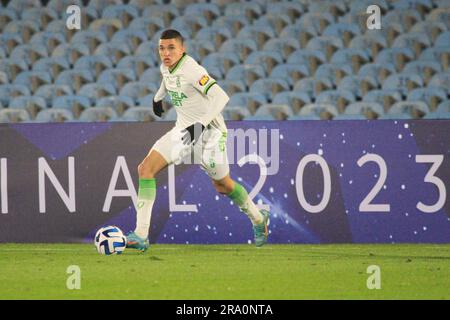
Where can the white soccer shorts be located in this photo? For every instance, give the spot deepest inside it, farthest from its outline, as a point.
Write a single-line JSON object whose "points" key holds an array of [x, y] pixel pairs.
{"points": [[210, 152]]}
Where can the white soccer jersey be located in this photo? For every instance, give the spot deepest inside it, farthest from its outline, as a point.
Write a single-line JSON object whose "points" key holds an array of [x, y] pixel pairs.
{"points": [[187, 85]]}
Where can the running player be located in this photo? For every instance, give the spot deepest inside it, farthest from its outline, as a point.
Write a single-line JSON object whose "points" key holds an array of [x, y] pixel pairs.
{"points": [[199, 131]]}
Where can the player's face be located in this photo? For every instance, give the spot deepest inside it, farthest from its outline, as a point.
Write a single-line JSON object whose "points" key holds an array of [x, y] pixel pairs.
{"points": [[170, 51]]}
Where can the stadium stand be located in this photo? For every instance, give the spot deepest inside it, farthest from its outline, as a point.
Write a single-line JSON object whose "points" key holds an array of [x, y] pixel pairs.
{"points": [[277, 59]]}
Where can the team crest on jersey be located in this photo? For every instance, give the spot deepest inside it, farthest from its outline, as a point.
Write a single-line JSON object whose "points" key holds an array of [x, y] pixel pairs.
{"points": [[204, 80]]}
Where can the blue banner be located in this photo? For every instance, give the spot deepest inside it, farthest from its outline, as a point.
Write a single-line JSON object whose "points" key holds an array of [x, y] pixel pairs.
{"points": [[377, 181]]}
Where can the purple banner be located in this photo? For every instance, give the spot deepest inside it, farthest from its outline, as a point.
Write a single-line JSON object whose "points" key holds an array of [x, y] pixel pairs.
{"points": [[324, 182]]}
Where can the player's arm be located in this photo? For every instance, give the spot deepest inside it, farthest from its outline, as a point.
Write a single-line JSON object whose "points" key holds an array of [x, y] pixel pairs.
{"points": [[219, 99], [157, 100], [208, 87]]}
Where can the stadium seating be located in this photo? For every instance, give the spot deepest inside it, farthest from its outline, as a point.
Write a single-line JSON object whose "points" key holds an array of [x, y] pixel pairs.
{"points": [[276, 59]]}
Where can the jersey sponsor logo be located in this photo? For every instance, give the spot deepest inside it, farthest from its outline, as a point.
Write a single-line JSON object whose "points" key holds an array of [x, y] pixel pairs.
{"points": [[177, 97], [204, 80]]}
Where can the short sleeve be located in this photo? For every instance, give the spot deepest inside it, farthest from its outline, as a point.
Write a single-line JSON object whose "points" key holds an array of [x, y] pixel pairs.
{"points": [[201, 80]]}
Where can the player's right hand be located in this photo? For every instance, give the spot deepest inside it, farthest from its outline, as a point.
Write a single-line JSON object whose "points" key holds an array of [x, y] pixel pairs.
{"points": [[158, 108]]}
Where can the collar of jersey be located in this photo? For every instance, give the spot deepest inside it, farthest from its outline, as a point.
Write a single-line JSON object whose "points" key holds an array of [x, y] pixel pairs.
{"points": [[178, 63]]}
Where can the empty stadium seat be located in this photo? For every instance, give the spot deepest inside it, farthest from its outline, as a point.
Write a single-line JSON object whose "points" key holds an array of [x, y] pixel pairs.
{"points": [[296, 100], [323, 111], [244, 47], [248, 100], [118, 77], [9, 40], [333, 72], [373, 43], [251, 10], [14, 116], [329, 45], [417, 41], [124, 12], [397, 56], [441, 80], [50, 91], [293, 10], [74, 103], [359, 85], [248, 73], [353, 57], [210, 11], [268, 59], [312, 58], [90, 38], [431, 96], [95, 91], [54, 65], [116, 50], [149, 25], [340, 98], [277, 22], [370, 110], [199, 49], [54, 115], [9, 91], [71, 51], [97, 64], [403, 82], [415, 109], [233, 23], [98, 114], [235, 113], [313, 86], [269, 86], [30, 53], [261, 34], [136, 90], [190, 24], [214, 35], [121, 104], [32, 104], [384, 97], [378, 70], [108, 26], [75, 78], [291, 72], [284, 45], [277, 111], [33, 79], [12, 67], [141, 114], [344, 31], [222, 60], [49, 39]]}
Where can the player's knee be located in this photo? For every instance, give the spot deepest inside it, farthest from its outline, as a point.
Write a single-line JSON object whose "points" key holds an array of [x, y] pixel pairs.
{"points": [[145, 171]]}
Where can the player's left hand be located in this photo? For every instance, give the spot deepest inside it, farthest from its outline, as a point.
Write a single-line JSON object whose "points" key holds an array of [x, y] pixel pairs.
{"points": [[192, 133]]}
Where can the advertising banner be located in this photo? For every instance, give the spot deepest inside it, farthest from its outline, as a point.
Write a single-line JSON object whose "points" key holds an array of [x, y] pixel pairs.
{"points": [[376, 181]]}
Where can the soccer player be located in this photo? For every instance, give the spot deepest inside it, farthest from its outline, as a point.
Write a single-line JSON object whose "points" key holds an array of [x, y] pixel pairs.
{"points": [[199, 131]]}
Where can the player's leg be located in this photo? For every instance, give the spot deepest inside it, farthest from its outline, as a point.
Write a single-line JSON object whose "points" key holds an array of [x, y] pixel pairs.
{"points": [[237, 193], [152, 164]]}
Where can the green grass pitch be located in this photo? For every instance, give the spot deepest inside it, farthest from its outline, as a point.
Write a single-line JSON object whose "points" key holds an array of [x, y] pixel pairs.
{"points": [[221, 272]]}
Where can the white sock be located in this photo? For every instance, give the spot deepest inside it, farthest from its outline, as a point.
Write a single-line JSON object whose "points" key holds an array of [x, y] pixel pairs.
{"points": [[240, 196], [146, 199]]}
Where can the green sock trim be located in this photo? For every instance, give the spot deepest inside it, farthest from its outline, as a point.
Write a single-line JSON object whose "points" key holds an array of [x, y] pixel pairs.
{"points": [[147, 189], [238, 195]]}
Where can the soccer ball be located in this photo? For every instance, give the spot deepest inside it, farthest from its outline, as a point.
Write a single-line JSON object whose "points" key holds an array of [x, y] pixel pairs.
{"points": [[110, 240]]}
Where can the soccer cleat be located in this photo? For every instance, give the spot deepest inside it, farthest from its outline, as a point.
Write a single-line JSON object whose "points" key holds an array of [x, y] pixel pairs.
{"points": [[136, 242], [261, 230]]}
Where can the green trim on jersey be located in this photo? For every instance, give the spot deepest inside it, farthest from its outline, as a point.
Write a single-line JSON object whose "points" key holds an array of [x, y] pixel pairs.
{"points": [[178, 64], [209, 86]]}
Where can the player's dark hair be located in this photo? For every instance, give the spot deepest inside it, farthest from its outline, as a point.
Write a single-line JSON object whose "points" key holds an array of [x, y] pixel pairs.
{"points": [[172, 34]]}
